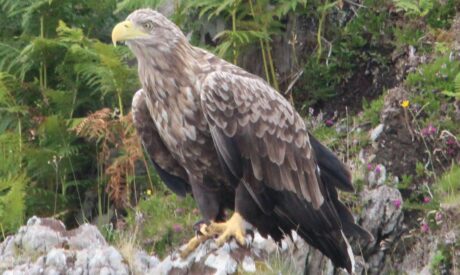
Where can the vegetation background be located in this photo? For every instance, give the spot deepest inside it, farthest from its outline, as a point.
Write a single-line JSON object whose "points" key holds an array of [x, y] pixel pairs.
{"points": [[69, 150]]}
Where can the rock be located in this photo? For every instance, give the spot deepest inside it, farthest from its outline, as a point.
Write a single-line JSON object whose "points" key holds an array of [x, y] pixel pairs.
{"points": [[44, 245], [85, 236], [378, 176], [375, 133], [382, 216], [85, 251], [249, 265], [40, 235]]}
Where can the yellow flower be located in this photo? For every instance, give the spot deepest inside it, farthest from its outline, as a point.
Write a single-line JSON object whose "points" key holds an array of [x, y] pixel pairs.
{"points": [[405, 104], [149, 192]]}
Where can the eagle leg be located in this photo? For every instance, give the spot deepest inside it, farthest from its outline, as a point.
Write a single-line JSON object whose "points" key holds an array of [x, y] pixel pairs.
{"points": [[234, 227]]}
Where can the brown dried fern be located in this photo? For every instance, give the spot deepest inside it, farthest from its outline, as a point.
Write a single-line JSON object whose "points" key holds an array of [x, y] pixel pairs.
{"points": [[119, 150]]}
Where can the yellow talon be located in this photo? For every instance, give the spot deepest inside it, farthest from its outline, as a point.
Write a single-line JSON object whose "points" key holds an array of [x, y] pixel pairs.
{"points": [[192, 245], [195, 242], [234, 227]]}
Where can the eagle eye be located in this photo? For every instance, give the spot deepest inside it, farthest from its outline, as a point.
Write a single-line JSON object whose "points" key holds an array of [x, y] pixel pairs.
{"points": [[148, 25]]}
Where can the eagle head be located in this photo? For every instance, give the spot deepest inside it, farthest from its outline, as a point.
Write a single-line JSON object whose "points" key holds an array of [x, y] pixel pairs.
{"points": [[147, 28]]}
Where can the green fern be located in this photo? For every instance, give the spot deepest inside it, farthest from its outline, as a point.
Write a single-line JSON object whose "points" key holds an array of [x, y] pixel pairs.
{"points": [[13, 182], [12, 205], [456, 92], [414, 7], [130, 5]]}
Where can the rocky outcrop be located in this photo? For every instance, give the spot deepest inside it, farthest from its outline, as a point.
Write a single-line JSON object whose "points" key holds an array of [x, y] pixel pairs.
{"points": [[382, 215], [44, 246]]}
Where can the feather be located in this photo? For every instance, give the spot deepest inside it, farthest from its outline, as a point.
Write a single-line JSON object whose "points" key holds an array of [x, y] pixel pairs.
{"points": [[168, 169]]}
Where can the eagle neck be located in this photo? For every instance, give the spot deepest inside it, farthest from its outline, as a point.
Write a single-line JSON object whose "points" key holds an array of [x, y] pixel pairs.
{"points": [[168, 70]]}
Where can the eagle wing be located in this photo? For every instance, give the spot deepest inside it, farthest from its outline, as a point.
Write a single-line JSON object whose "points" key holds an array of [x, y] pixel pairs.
{"points": [[169, 170], [250, 121], [262, 142]]}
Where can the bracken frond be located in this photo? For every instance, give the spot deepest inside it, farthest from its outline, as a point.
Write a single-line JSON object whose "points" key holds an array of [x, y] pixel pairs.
{"points": [[95, 126]]}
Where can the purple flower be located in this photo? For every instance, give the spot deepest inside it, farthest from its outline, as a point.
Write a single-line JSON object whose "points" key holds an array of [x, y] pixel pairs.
{"points": [[397, 203], [429, 130], [425, 132], [177, 228], [426, 199], [369, 166], [329, 122], [451, 141], [378, 169], [424, 227]]}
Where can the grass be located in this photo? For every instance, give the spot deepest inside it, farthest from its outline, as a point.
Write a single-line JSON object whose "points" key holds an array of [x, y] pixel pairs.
{"points": [[165, 221], [448, 187], [371, 110]]}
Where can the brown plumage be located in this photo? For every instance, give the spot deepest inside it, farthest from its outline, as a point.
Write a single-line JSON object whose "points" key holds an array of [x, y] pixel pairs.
{"points": [[227, 137]]}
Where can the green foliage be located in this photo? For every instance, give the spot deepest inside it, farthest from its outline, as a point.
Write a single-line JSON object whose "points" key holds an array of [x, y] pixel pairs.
{"points": [[13, 183], [326, 135], [12, 205], [456, 91], [434, 87], [406, 182], [444, 259], [168, 221], [364, 39], [51, 75], [130, 5], [372, 110], [409, 34], [414, 7], [249, 23], [438, 75], [448, 187], [442, 14]]}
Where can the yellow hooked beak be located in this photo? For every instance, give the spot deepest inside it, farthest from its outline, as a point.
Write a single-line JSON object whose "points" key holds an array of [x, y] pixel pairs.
{"points": [[126, 31]]}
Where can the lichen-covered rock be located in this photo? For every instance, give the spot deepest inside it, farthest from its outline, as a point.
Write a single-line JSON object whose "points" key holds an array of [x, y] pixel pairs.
{"points": [[44, 246], [230, 258], [382, 215]]}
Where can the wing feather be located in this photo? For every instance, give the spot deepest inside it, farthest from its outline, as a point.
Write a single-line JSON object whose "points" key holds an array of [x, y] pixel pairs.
{"points": [[275, 142], [172, 174]]}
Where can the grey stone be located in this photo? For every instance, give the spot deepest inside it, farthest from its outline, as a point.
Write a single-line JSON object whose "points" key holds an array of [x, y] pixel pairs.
{"points": [[248, 264]]}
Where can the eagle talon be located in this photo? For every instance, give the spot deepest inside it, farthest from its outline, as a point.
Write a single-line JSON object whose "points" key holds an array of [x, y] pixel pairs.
{"points": [[200, 227], [234, 227], [193, 244]]}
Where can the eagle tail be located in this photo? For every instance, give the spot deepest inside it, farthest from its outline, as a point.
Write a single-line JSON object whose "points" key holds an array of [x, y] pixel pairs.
{"points": [[334, 174], [331, 242], [333, 171], [350, 228]]}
